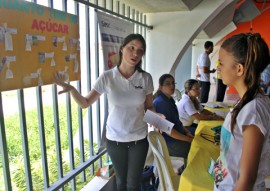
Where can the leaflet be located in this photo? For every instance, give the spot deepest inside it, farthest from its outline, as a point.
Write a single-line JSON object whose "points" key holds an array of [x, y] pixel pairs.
{"points": [[157, 121], [216, 105], [222, 113], [211, 105]]}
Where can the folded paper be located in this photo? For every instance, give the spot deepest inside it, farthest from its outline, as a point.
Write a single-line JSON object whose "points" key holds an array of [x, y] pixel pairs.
{"points": [[157, 121]]}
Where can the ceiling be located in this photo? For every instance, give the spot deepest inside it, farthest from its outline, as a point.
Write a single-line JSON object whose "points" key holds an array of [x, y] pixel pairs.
{"points": [[236, 12], [154, 6]]}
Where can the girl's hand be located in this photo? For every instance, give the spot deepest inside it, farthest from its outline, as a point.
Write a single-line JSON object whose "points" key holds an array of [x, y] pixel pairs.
{"points": [[162, 116], [189, 134], [189, 139], [219, 118], [214, 116], [59, 79]]}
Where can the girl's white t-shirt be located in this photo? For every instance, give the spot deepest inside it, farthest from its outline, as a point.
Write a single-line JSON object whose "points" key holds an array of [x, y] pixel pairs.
{"points": [[256, 112], [186, 109], [126, 98]]}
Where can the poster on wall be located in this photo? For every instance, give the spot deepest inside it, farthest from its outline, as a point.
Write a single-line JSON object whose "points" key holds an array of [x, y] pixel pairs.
{"points": [[112, 31], [36, 41]]}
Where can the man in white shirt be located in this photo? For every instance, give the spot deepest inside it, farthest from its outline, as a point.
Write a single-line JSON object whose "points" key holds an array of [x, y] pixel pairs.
{"points": [[203, 71]]}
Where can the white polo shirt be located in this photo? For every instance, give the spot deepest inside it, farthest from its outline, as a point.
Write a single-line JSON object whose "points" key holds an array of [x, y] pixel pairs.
{"points": [[204, 61], [126, 98], [186, 109]]}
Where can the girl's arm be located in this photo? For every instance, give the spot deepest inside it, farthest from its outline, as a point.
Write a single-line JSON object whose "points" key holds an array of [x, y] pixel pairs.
{"points": [[206, 112], [176, 135], [82, 101], [251, 153], [207, 115]]}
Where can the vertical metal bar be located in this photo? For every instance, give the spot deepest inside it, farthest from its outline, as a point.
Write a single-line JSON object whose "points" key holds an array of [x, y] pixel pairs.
{"points": [[100, 139], [97, 74], [81, 137], [64, 4], [70, 138], [50, 2], [111, 5], [117, 7], [144, 66], [103, 142], [80, 116], [57, 125], [128, 11], [144, 27], [42, 137], [123, 9], [88, 75], [57, 132], [27, 166], [141, 20], [3, 149], [69, 124], [132, 17], [137, 19]]}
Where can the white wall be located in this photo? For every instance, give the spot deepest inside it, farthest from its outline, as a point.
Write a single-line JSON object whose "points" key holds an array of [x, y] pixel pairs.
{"points": [[173, 33], [182, 72]]}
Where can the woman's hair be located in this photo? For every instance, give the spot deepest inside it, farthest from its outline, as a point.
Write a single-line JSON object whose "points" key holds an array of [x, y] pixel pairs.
{"points": [[189, 84], [252, 52], [126, 41], [161, 82]]}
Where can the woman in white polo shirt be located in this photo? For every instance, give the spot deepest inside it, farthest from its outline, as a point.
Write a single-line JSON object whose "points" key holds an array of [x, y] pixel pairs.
{"points": [[190, 109], [130, 92]]}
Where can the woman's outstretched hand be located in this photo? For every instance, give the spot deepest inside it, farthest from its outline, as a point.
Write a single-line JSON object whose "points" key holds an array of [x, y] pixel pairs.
{"points": [[59, 79]]}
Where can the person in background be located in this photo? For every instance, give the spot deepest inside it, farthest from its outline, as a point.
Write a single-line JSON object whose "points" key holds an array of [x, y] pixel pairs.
{"points": [[190, 108], [203, 71], [130, 93], [265, 80], [178, 142], [220, 87], [245, 135]]}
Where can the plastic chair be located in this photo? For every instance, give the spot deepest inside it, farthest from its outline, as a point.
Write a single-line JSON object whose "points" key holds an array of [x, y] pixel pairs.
{"points": [[168, 179]]}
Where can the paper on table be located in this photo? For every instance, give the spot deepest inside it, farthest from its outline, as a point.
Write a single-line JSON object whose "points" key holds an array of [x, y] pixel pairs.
{"points": [[216, 105], [157, 121], [222, 113], [211, 105], [222, 104]]}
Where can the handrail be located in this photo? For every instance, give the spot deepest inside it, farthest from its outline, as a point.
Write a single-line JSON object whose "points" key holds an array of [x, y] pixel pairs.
{"points": [[73, 173]]}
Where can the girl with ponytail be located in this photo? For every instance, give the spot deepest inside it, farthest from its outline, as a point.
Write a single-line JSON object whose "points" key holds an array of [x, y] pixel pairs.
{"points": [[245, 144]]}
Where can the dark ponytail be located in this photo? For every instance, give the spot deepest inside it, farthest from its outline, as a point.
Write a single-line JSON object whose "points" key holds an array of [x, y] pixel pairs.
{"points": [[252, 52]]}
